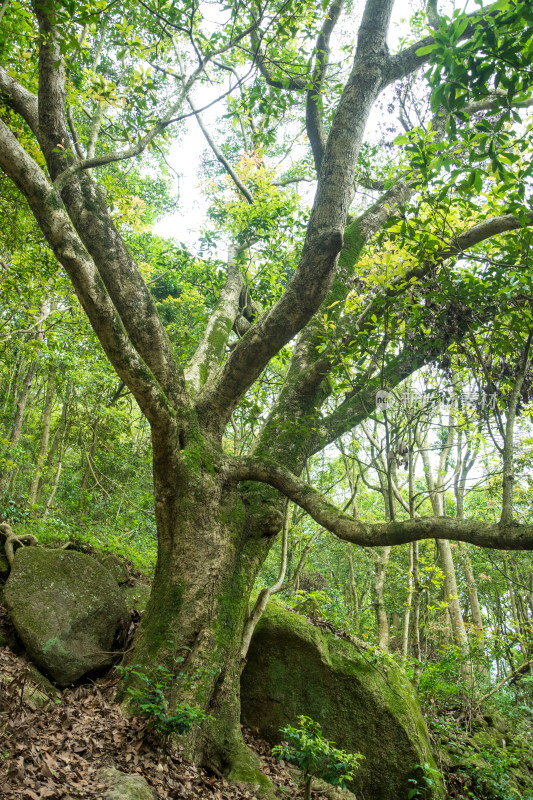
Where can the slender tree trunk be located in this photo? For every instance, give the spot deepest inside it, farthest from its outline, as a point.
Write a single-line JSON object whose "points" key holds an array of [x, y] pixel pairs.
{"points": [[55, 482], [46, 422], [57, 440], [13, 378], [516, 618], [59, 466], [460, 636], [408, 604], [436, 493], [382, 619], [417, 594], [471, 587], [89, 459], [353, 590], [16, 429]]}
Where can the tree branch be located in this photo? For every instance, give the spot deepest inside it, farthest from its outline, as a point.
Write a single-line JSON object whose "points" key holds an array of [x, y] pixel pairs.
{"points": [[313, 108], [407, 61], [59, 232], [501, 536], [219, 155], [91, 217], [289, 83], [316, 268], [211, 349], [21, 100]]}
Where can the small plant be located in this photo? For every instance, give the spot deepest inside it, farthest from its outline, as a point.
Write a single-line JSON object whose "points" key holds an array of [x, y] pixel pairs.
{"points": [[316, 756], [321, 605], [424, 786], [149, 699]]}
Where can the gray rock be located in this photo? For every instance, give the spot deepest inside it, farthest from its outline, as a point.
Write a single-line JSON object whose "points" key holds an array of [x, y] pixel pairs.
{"points": [[123, 786], [66, 609]]}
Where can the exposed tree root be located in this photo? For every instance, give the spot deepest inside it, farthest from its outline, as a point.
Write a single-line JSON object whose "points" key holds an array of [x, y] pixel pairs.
{"points": [[12, 541]]}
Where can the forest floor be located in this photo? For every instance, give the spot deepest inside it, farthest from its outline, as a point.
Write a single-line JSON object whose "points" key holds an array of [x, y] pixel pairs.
{"points": [[57, 750]]}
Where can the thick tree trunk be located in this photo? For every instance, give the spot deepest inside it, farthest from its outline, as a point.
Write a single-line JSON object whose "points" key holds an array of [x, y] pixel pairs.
{"points": [[207, 563]]}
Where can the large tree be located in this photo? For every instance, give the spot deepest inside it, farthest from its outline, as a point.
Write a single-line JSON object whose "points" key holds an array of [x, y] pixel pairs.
{"points": [[87, 99]]}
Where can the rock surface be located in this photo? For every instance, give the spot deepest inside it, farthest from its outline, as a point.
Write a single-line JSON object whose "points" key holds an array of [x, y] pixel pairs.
{"points": [[123, 786], [368, 707], [66, 609], [136, 597]]}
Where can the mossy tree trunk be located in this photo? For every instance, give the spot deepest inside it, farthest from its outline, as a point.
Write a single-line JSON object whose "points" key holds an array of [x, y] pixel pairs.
{"points": [[208, 559]]}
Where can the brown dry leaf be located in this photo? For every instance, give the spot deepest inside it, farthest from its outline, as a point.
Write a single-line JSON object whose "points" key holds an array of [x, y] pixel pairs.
{"points": [[71, 740]]}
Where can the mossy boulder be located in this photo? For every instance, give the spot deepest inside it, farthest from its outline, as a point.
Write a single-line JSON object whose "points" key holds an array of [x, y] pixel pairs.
{"points": [[136, 597], [363, 705], [124, 786], [66, 609]]}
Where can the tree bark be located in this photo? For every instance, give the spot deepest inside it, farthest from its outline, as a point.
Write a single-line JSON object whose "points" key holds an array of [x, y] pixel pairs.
{"points": [[208, 559]]}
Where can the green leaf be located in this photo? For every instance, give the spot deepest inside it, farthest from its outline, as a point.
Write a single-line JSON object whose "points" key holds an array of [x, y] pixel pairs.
{"points": [[429, 48]]}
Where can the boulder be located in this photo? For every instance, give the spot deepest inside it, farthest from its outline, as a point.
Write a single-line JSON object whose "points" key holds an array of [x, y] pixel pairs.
{"points": [[123, 786], [66, 609], [363, 704], [116, 567], [136, 597]]}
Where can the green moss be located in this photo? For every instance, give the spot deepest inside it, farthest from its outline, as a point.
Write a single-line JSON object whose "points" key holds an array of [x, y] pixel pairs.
{"points": [[197, 455], [162, 610], [136, 597], [54, 645], [219, 335], [352, 247], [245, 769]]}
